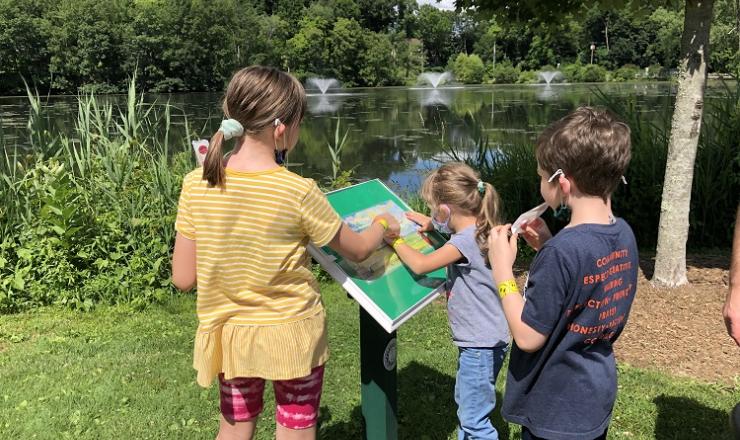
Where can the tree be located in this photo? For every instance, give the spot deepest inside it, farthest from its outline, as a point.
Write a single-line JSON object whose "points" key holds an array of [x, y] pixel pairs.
{"points": [[670, 262], [306, 50], [85, 42], [665, 26], [376, 61], [345, 45], [434, 28], [272, 39], [23, 33], [154, 48], [377, 15], [724, 38], [673, 232], [624, 38], [486, 44]]}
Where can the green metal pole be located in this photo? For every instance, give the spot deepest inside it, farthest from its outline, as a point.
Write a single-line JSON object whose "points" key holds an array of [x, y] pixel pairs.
{"points": [[379, 380]]}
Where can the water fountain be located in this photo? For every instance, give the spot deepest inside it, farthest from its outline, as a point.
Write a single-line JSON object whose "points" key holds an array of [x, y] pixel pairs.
{"points": [[549, 75], [323, 84], [435, 97], [435, 78], [322, 104]]}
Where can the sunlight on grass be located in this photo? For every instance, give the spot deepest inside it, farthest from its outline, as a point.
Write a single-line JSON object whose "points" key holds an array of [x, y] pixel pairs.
{"points": [[118, 373]]}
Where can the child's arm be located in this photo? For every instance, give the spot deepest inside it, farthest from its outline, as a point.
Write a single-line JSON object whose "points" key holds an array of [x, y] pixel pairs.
{"points": [[420, 263], [183, 263], [501, 254], [357, 246]]}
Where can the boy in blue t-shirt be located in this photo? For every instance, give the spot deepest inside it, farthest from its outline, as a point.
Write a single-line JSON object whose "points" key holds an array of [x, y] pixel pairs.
{"points": [[562, 380]]}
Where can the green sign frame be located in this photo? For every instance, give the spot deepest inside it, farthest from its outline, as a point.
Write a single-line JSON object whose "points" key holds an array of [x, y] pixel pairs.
{"points": [[381, 284]]}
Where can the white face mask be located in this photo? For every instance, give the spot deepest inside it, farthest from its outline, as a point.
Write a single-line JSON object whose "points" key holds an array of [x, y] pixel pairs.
{"points": [[442, 227]]}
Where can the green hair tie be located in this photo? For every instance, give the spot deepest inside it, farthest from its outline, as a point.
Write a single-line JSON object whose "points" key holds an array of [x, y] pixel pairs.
{"points": [[481, 187]]}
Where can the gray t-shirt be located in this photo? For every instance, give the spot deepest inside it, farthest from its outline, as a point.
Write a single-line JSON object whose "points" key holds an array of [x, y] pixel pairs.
{"points": [[473, 306]]}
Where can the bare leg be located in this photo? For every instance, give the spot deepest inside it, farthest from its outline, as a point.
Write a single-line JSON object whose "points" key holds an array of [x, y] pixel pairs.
{"points": [[283, 433], [231, 430]]}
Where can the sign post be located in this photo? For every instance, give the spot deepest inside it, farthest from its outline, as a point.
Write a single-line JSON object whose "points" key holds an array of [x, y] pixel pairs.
{"points": [[388, 294], [379, 380]]}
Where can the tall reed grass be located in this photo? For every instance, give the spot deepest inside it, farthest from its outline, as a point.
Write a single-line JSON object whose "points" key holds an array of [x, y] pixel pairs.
{"points": [[510, 167], [88, 216], [715, 192]]}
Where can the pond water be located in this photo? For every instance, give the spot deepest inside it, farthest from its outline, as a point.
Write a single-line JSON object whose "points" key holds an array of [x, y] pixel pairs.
{"points": [[396, 134]]}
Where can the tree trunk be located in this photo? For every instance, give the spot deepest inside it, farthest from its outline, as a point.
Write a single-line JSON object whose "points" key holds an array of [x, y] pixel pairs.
{"points": [[670, 261]]}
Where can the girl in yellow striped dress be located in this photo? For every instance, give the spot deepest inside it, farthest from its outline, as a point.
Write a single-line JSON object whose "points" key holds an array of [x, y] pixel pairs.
{"points": [[243, 223]]}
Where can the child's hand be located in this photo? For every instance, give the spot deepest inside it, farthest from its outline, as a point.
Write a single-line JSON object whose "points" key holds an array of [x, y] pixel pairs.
{"points": [[536, 233], [394, 228], [424, 222], [501, 252]]}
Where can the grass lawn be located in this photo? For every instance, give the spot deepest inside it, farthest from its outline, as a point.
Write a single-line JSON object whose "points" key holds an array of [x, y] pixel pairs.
{"points": [[116, 373]]}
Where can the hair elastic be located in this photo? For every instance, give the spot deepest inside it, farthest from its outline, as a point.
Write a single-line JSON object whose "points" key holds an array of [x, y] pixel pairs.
{"points": [[481, 187], [231, 128]]}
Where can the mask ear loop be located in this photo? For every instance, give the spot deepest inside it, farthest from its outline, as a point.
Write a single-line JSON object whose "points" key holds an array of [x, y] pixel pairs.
{"points": [[562, 212], [280, 155], [558, 172]]}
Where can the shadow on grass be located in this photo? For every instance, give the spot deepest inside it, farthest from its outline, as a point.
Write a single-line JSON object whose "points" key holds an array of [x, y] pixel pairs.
{"points": [[426, 409], [682, 418]]}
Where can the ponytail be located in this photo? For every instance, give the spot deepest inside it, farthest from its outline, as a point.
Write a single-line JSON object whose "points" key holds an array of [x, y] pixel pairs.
{"points": [[213, 165], [488, 217]]}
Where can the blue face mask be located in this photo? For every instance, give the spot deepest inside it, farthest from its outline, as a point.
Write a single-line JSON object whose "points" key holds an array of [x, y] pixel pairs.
{"points": [[442, 227]]}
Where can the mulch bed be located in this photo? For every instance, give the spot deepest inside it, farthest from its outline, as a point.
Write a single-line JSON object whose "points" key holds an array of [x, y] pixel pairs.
{"points": [[681, 330]]}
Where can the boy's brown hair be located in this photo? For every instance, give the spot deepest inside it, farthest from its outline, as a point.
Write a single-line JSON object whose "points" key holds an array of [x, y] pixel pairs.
{"points": [[591, 146], [458, 185]]}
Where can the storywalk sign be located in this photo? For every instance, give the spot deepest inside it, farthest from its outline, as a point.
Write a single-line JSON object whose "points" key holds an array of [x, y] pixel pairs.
{"points": [[387, 291]]}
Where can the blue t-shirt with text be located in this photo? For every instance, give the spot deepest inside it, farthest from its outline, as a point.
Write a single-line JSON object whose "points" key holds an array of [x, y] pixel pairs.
{"points": [[579, 292]]}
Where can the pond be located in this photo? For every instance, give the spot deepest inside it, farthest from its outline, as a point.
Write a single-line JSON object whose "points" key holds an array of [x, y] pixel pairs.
{"points": [[396, 133]]}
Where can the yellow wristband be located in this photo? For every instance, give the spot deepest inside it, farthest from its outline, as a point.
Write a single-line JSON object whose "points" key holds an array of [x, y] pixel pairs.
{"points": [[506, 288], [397, 241], [383, 222]]}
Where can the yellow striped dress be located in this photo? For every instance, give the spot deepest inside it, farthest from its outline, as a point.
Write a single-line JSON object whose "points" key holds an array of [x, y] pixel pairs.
{"points": [[259, 309]]}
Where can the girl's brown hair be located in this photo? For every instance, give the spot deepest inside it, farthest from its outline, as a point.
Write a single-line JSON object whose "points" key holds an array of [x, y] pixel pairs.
{"points": [[255, 96], [456, 184]]}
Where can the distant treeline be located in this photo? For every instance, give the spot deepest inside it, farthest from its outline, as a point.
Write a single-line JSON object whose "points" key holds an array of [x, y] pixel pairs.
{"points": [[67, 46]]}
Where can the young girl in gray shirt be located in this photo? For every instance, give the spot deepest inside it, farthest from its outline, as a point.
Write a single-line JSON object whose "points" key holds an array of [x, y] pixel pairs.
{"points": [[467, 208]]}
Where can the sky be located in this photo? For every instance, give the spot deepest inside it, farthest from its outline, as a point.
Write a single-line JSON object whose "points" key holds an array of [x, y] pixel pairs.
{"points": [[444, 4]]}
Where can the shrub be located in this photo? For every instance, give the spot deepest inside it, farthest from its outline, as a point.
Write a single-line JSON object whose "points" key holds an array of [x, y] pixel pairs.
{"points": [[527, 77], [572, 72], [593, 73], [91, 219], [656, 71], [628, 72], [468, 69], [503, 73]]}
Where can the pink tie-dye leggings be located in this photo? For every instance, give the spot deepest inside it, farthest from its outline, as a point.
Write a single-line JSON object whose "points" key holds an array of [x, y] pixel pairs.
{"points": [[297, 399]]}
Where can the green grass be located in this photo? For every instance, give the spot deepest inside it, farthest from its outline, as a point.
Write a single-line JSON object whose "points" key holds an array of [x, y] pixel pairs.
{"points": [[118, 373]]}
